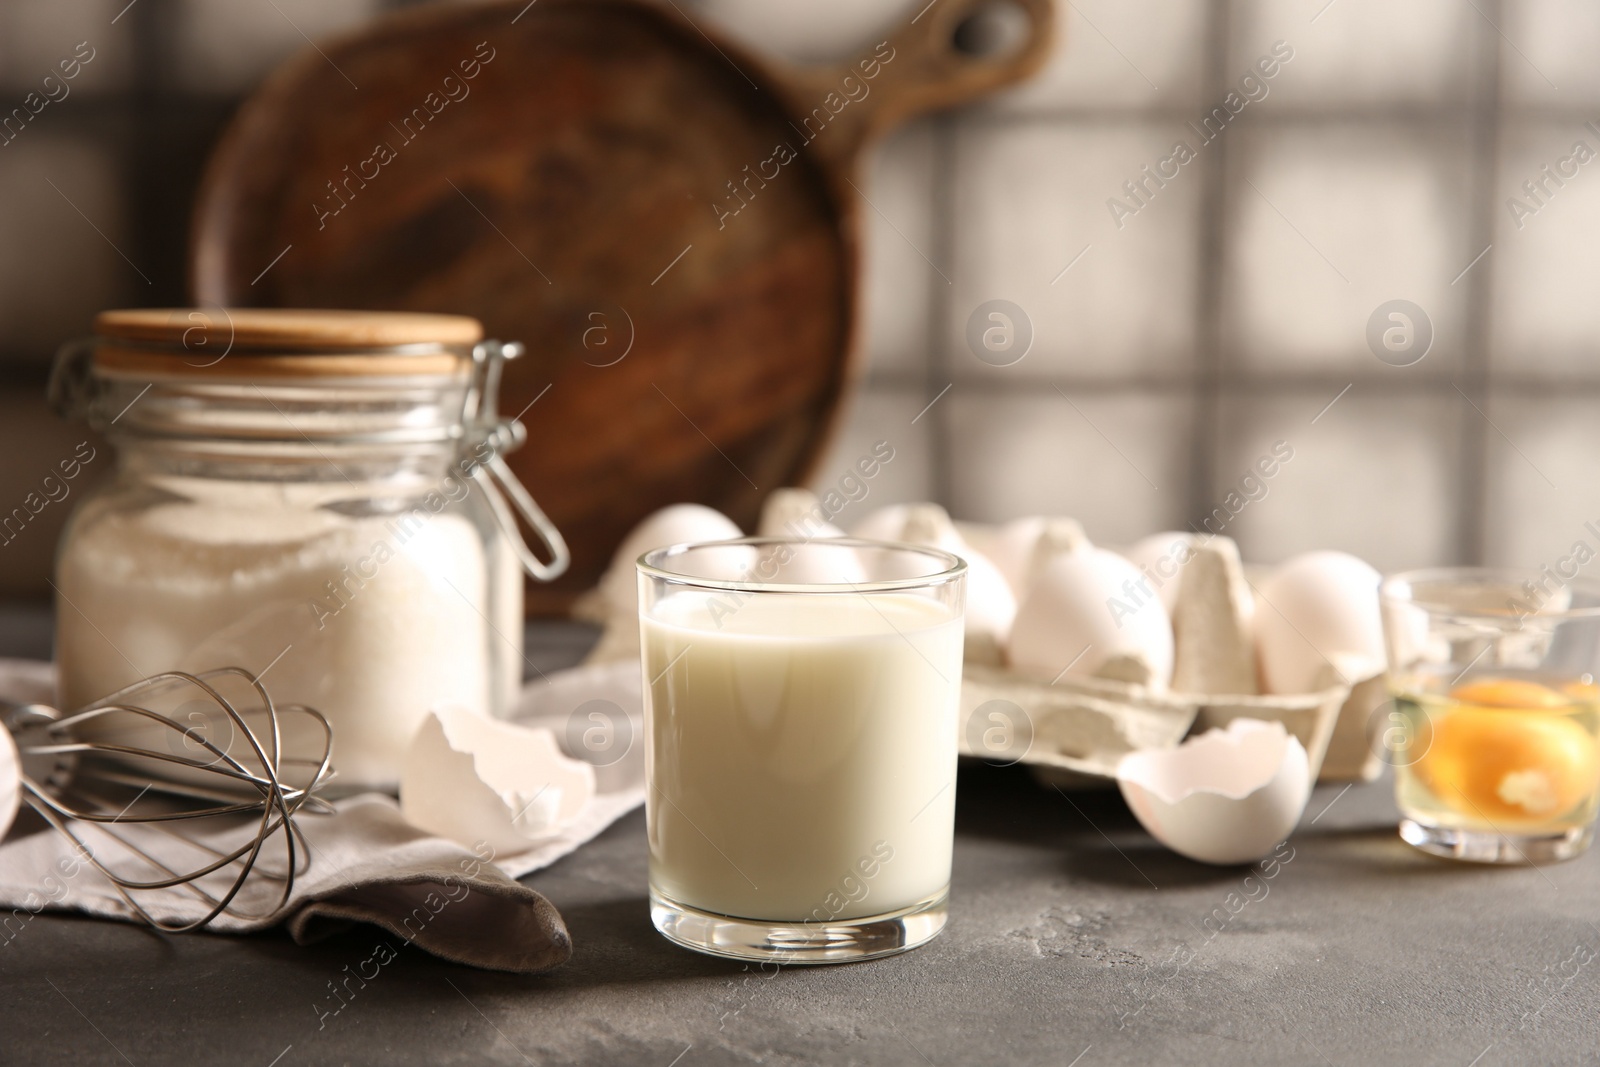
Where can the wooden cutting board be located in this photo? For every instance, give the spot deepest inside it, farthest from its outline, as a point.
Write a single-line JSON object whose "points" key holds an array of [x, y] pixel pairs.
{"points": [[668, 222]]}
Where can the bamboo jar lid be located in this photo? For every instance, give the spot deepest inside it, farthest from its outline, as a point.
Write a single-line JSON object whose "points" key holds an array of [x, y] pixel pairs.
{"points": [[278, 343]]}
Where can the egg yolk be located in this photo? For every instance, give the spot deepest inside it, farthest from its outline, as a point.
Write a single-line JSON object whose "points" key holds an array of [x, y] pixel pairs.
{"points": [[1500, 756], [1509, 693], [1584, 690]]}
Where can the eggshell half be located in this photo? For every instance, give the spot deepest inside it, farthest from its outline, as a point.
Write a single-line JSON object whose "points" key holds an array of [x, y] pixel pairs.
{"points": [[471, 779], [1225, 797]]}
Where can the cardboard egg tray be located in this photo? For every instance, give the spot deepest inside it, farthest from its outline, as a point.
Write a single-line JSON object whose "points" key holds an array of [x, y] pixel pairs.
{"points": [[1075, 731]]}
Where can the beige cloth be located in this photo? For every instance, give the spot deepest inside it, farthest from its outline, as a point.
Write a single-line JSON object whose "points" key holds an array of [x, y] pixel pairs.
{"points": [[366, 863]]}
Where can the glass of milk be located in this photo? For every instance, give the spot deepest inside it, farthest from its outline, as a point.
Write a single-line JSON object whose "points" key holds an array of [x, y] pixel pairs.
{"points": [[800, 701]]}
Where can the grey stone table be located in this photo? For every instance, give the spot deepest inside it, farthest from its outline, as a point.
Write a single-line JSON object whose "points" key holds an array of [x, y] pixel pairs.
{"points": [[1074, 940]]}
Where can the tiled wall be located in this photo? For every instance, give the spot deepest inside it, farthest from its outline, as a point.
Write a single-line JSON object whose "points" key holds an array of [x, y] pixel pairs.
{"points": [[95, 191], [1170, 351], [1231, 310]]}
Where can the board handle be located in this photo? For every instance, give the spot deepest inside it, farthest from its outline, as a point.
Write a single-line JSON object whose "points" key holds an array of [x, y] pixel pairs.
{"points": [[950, 52]]}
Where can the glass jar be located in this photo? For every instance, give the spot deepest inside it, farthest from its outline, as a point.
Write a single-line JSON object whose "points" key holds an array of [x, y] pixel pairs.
{"points": [[314, 496]]}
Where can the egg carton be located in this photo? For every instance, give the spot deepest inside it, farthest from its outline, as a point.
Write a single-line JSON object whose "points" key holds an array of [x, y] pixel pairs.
{"points": [[1075, 731], [1077, 728]]}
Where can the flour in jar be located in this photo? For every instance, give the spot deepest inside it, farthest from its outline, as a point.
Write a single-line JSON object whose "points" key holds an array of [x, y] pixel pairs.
{"points": [[371, 619]]}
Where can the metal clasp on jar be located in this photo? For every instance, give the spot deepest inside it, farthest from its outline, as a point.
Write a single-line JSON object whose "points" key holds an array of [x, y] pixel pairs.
{"points": [[482, 424]]}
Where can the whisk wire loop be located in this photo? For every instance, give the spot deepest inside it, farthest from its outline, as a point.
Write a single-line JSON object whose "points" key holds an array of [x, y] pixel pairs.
{"points": [[89, 751]]}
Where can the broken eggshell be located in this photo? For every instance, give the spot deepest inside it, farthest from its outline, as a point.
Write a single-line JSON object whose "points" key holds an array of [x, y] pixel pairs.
{"points": [[1225, 797], [472, 779]]}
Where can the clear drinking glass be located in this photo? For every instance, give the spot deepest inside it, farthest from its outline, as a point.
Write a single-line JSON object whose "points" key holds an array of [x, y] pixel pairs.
{"points": [[1496, 711], [800, 701]]}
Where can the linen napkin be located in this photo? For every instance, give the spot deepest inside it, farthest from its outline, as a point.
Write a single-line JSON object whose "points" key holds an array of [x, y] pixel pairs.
{"points": [[366, 864]]}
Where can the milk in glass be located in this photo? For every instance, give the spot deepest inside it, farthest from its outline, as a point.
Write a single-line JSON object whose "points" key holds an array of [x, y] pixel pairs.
{"points": [[802, 751]]}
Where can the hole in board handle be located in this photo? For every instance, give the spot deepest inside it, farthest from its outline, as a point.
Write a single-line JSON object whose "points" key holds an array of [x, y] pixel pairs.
{"points": [[994, 32]]}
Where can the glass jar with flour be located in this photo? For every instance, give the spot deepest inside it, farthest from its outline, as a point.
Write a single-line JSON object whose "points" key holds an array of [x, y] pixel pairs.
{"points": [[316, 496]]}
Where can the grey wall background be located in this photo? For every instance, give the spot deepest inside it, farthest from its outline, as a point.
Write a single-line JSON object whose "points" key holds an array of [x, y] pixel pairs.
{"points": [[1229, 312]]}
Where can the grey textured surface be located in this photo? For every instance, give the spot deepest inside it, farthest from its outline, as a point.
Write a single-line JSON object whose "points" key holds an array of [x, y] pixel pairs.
{"points": [[1072, 935]]}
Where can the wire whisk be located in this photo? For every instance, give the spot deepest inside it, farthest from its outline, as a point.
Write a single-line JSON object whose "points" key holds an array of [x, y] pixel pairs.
{"points": [[197, 753]]}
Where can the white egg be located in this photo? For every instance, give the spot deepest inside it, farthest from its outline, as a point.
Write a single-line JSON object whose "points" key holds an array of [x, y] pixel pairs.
{"points": [[889, 524], [991, 609], [930, 524], [795, 513], [672, 525], [980, 537], [812, 563], [1011, 549], [1316, 610], [991, 605], [1160, 558], [1225, 797], [1022, 548], [1084, 609], [885, 524]]}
